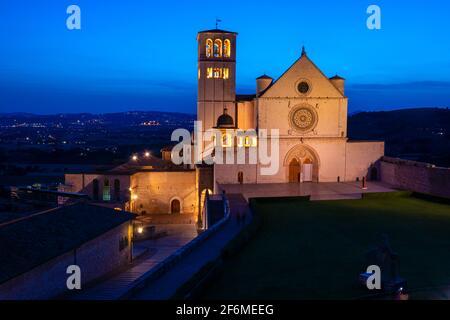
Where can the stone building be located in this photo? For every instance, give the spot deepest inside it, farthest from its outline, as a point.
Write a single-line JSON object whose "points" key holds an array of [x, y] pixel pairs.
{"points": [[144, 185], [308, 109]]}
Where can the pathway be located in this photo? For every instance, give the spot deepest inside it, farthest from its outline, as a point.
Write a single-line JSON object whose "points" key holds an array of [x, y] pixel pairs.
{"points": [[114, 287], [166, 286]]}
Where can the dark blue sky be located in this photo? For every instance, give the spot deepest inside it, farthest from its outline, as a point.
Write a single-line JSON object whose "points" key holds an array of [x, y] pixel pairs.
{"points": [[141, 55]]}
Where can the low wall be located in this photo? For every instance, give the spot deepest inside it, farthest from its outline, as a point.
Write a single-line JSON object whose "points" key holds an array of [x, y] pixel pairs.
{"points": [[416, 176]]}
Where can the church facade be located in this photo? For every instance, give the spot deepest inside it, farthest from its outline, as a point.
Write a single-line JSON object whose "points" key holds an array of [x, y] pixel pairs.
{"points": [[308, 109]]}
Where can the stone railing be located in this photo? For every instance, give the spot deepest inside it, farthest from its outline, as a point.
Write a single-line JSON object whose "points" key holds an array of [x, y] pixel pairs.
{"points": [[416, 176]]}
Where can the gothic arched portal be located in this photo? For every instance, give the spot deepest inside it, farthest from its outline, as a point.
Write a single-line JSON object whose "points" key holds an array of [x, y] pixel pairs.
{"points": [[302, 164]]}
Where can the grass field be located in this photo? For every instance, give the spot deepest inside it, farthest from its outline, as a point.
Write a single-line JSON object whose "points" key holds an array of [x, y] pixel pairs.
{"points": [[316, 250]]}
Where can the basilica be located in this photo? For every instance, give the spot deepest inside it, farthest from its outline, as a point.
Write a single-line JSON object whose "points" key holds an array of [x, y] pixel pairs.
{"points": [[308, 109]]}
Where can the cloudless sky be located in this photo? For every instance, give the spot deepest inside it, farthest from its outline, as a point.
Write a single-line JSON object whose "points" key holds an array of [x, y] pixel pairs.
{"points": [[142, 54]]}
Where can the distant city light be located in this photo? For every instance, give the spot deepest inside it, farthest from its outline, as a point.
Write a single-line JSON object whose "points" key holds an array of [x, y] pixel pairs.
{"points": [[147, 154], [134, 157]]}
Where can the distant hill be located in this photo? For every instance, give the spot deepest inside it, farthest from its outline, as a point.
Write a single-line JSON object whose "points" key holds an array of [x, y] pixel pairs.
{"points": [[116, 119], [421, 134]]}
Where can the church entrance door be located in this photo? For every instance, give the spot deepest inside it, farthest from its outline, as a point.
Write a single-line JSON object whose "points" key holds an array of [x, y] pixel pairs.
{"points": [[307, 172], [294, 171]]}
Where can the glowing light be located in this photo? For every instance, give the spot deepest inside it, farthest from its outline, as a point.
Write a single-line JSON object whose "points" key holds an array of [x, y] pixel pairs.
{"points": [[140, 230], [226, 140], [134, 197], [134, 157], [147, 154]]}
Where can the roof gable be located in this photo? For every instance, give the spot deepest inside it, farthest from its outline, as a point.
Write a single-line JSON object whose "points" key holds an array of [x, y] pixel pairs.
{"points": [[302, 69]]}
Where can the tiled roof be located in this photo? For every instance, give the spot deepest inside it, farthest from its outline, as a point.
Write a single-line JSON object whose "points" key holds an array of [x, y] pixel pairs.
{"points": [[336, 77], [264, 76], [217, 31]]}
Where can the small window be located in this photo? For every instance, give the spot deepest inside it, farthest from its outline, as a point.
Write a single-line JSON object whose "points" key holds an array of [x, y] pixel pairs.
{"points": [[217, 73], [106, 191], [209, 45], [227, 48], [226, 73], [247, 141], [226, 140], [209, 73], [240, 141], [217, 48]]}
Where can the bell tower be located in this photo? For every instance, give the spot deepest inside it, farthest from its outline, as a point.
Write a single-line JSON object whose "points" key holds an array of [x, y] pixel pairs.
{"points": [[216, 76]]}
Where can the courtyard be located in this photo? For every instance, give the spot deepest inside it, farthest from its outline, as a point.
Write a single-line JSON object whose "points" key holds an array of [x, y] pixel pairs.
{"points": [[316, 249], [317, 191]]}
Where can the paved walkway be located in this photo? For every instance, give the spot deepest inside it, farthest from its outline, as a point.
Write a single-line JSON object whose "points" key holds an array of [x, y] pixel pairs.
{"points": [[166, 286], [114, 287], [317, 191]]}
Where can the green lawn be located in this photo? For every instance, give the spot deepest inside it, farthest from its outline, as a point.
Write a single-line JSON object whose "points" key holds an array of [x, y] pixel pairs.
{"points": [[316, 250]]}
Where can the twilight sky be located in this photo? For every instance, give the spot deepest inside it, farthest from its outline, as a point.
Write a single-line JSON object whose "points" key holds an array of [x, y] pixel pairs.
{"points": [[141, 54]]}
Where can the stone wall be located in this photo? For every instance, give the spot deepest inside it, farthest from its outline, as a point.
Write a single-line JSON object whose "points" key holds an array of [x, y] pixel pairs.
{"points": [[416, 176], [361, 157], [156, 190], [95, 258]]}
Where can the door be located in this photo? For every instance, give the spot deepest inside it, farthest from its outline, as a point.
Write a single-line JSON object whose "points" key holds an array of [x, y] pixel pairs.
{"points": [[307, 172], [294, 171], [175, 206]]}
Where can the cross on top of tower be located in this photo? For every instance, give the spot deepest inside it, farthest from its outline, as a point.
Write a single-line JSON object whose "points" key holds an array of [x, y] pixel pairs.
{"points": [[217, 22], [303, 51]]}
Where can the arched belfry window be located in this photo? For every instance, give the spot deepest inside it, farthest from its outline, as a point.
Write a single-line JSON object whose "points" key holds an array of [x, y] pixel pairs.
{"points": [[209, 47], [217, 48], [227, 48]]}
